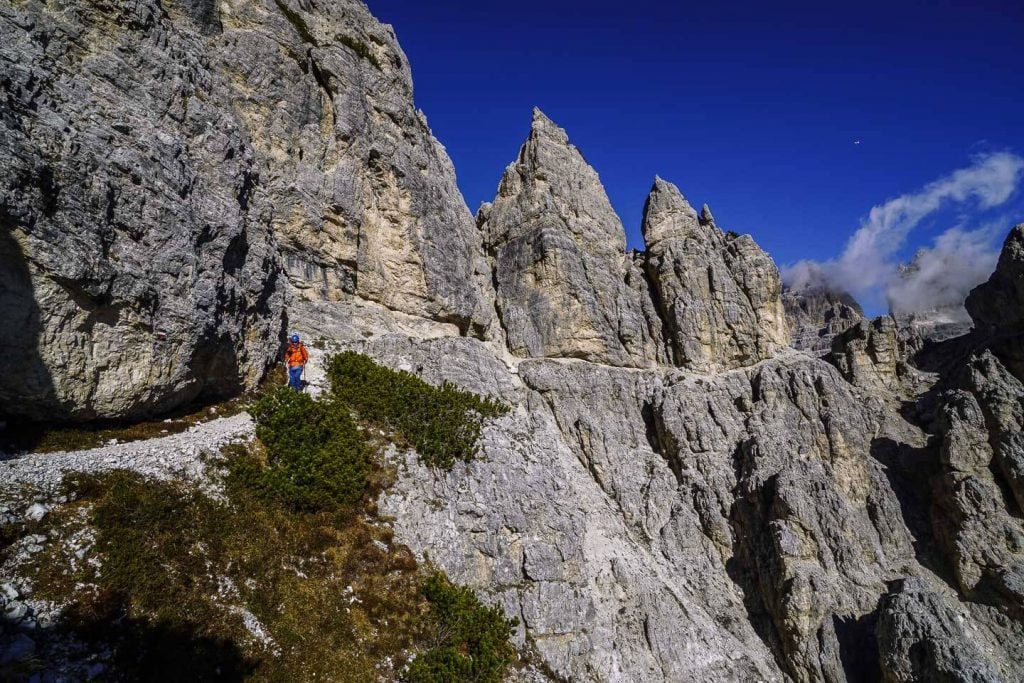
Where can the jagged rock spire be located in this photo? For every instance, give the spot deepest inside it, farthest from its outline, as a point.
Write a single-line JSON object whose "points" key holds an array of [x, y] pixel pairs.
{"points": [[720, 295], [558, 252], [998, 304], [706, 217], [667, 214], [543, 125], [551, 181]]}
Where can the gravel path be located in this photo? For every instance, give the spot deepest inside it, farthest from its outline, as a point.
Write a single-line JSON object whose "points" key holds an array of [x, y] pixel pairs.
{"points": [[29, 488], [177, 456]]}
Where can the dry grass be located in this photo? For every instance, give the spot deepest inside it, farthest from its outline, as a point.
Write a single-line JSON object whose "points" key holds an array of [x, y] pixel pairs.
{"points": [[337, 599], [260, 586], [335, 596]]}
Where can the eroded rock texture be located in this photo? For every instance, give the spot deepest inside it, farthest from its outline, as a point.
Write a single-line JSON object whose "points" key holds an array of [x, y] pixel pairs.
{"points": [[922, 638], [162, 161], [979, 494], [719, 292], [558, 251], [137, 265], [874, 354], [674, 496], [364, 197], [664, 525], [816, 315]]}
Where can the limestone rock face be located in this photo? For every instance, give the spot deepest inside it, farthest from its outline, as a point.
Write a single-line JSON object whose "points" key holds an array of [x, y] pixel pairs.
{"points": [[980, 416], [873, 354], [982, 482], [784, 520], [921, 638], [163, 159], [365, 199], [816, 315], [137, 265], [664, 525], [558, 252], [719, 294]]}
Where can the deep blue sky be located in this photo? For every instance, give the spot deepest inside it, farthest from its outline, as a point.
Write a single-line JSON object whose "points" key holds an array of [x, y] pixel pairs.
{"points": [[752, 105]]}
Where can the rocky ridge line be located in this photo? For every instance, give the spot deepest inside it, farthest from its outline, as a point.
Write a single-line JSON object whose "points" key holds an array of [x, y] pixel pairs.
{"points": [[675, 496]]}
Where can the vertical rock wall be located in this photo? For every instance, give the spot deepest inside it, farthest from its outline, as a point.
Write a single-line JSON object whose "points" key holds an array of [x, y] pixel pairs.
{"points": [[139, 268], [365, 199]]}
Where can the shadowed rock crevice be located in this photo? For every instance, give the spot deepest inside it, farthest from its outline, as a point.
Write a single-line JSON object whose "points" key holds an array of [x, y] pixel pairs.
{"points": [[745, 566], [205, 13], [24, 377], [911, 473], [858, 647], [660, 440]]}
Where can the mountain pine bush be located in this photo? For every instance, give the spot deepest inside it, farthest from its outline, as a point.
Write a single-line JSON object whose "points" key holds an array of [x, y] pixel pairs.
{"points": [[442, 423], [316, 456], [471, 639]]}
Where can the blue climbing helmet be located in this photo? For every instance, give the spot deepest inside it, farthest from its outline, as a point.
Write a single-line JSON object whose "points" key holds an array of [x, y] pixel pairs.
{"points": [[295, 339]]}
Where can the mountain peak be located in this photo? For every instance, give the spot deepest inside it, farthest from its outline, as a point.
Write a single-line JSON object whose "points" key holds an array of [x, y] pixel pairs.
{"points": [[706, 217], [543, 128], [667, 213]]}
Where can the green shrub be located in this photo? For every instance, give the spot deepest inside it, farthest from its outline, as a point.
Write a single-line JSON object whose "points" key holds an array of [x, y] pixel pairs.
{"points": [[158, 599], [472, 640], [442, 423], [316, 457]]}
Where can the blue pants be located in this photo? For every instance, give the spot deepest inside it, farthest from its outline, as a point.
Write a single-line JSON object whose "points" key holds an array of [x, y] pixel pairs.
{"points": [[295, 377]]}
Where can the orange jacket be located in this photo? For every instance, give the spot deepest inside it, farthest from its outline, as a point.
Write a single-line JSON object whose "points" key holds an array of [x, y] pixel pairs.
{"points": [[296, 354]]}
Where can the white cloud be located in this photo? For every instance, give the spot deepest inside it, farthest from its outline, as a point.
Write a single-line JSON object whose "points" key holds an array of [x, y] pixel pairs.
{"points": [[960, 258], [940, 276]]}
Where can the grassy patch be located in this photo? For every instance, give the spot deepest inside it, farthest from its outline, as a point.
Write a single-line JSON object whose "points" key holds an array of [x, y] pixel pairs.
{"points": [[288, 576], [334, 597], [442, 423], [316, 456], [178, 571]]}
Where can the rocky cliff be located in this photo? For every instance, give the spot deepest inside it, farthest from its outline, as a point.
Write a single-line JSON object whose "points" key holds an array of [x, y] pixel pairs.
{"points": [[139, 268], [815, 315], [675, 494], [166, 164], [364, 197]]}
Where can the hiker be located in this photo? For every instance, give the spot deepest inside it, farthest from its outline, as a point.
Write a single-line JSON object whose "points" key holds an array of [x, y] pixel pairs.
{"points": [[295, 357]]}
